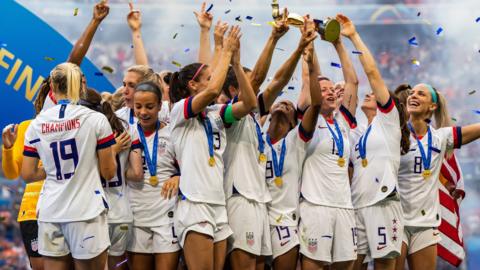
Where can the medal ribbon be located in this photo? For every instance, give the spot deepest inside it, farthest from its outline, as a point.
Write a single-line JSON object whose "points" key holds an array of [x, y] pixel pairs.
{"points": [[338, 139], [151, 162], [131, 117], [209, 131], [278, 166], [362, 145], [261, 143], [426, 157]]}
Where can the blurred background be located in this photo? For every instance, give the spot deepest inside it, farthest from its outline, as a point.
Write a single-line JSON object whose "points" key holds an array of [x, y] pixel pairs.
{"points": [[447, 57]]}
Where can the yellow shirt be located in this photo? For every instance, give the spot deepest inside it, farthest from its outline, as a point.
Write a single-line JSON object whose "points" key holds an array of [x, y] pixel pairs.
{"points": [[12, 164]]}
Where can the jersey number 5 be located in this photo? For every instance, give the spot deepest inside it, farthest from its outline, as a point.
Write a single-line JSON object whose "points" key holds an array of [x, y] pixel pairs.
{"points": [[61, 158]]}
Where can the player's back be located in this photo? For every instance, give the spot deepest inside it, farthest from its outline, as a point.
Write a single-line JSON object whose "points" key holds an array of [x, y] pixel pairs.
{"points": [[67, 138]]}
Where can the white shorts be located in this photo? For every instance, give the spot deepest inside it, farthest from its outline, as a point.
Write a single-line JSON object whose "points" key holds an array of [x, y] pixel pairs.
{"points": [[119, 234], [204, 218], [83, 239], [418, 238], [284, 238], [327, 234], [380, 230], [153, 240], [249, 223]]}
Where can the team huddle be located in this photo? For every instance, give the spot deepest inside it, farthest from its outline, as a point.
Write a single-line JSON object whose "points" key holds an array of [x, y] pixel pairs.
{"points": [[202, 169]]}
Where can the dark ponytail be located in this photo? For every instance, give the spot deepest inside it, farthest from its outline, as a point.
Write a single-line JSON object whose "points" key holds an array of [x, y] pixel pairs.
{"points": [[179, 81], [42, 95], [403, 115], [93, 100]]}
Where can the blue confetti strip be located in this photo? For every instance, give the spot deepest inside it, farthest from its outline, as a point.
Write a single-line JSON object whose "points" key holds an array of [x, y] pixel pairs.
{"points": [[418, 14], [476, 111], [227, 11], [187, 50], [280, 49], [356, 52], [249, 18], [477, 20], [210, 8], [333, 64], [98, 74], [439, 31], [238, 19], [291, 87], [413, 41]]}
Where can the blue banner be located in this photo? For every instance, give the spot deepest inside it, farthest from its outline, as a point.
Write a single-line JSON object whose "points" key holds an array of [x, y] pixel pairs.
{"points": [[29, 49]]}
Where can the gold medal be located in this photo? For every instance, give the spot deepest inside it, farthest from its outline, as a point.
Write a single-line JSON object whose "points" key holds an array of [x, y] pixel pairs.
{"points": [[341, 162], [278, 181], [262, 157], [153, 180], [211, 161], [426, 174], [364, 162]]}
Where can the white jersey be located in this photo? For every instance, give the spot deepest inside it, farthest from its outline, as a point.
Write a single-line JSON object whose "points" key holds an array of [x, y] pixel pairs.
{"points": [[199, 182], [419, 196], [49, 102], [149, 208], [244, 172], [378, 179], [66, 138], [116, 188], [324, 182], [283, 209]]}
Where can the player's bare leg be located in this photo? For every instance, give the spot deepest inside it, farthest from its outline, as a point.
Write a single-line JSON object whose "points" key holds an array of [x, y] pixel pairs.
{"points": [[309, 264], [384, 264], [57, 263], [400, 261], [97, 263], [348, 265], [36, 263], [287, 260], [424, 259], [220, 254], [359, 265], [240, 259], [198, 251], [137, 261], [167, 261], [260, 265]]}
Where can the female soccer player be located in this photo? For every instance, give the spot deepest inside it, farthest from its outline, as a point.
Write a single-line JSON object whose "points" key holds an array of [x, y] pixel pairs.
{"points": [[288, 143], [375, 156], [74, 144], [129, 166], [153, 242], [201, 218], [327, 224], [13, 143]]}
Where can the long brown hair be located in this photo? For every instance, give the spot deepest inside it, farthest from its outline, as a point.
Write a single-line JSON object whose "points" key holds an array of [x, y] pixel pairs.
{"points": [[93, 100], [179, 81], [403, 115], [42, 95]]}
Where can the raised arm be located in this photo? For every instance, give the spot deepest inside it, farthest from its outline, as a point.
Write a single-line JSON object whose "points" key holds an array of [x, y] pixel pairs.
{"points": [[220, 29], [375, 79], [204, 20], [214, 87], [351, 80], [304, 99], [470, 133], [100, 11], [11, 154], [134, 19], [309, 120], [259, 72], [283, 75], [247, 97]]}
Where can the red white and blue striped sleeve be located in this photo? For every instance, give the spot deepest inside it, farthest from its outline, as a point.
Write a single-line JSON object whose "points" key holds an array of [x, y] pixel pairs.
{"points": [[304, 135], [30, 151], [388, 107], [187, 108], [352, 122], [136, 144], [106, 142], [457, 137]]}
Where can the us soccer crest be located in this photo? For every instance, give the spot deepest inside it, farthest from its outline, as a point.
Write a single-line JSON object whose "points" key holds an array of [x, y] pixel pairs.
{"points": [[250, 239], [34, 245], [312, 245]]}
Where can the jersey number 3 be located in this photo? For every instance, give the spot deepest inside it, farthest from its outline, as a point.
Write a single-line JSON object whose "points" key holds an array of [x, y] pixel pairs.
{"points": [[61, 158]]}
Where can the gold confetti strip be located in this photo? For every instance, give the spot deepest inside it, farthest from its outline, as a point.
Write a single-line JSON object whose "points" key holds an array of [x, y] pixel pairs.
{"points": [[107, 69], [177, 64], [49, 58], [75, 12]]}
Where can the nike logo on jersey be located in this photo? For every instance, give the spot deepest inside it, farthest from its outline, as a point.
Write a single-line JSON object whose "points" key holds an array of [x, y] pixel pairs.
{"points": [[174, 242], [283, 244], [381, 247]]}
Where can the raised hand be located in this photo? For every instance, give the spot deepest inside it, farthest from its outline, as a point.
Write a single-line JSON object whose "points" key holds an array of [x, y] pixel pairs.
{"points": [[219, 32], [308, 32], [122, 142], [308, 53], [9, 136], [134, 18], [204, 18], [280, 27], [232, 42], [348, 28], [100, 11]]}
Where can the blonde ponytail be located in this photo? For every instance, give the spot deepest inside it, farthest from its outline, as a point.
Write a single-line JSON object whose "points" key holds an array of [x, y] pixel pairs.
{"points": [[67, 79], [441, 114]]}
